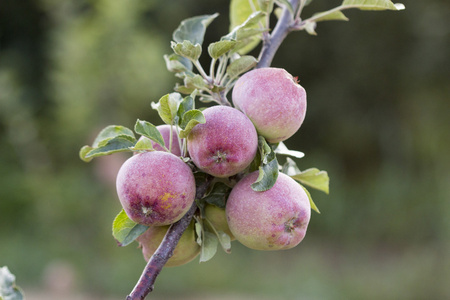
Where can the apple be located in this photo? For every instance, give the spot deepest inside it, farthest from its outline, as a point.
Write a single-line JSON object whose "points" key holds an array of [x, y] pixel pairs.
{"points": [[275, 219], [155, 188], [225, 145], [185, 251], [218, 218], [273, 100]]}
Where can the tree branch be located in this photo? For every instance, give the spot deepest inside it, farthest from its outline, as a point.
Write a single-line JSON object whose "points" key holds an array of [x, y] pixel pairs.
{"points": [[273, 41], [155, 264]]}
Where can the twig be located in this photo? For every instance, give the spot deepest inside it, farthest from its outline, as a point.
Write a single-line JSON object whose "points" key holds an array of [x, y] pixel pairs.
{"points": [[155, 264], [272, 42]]}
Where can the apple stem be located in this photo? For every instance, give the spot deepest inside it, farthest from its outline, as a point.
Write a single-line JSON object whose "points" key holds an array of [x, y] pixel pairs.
{"points": [[271, 42], [155, 264]]}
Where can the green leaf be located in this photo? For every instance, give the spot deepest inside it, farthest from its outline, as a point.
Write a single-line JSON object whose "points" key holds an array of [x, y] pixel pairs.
{"points": [[186, 105], [314, 178], [83, 151], [193, 29], [8, 288], [110, 132], [268, 170], [329, 16], [195, 82], [189, 120], [283, 150], [224, 240], [245, 15], [218, 195], [209, 246], [268, 174], [121, 143], [373, 4], [167, 107], [266, 5], [125, 231], [178, 64], [241, 65], [143, 144], [311, 202], [187, 49], [150, 131], [219, 48]]}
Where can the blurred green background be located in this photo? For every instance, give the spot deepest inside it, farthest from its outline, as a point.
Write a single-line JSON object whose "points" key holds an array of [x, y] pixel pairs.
{"points": [[378, 121]]}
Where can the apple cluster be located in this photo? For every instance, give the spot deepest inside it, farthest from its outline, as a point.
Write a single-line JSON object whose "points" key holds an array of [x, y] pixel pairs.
{"points": [[157, 188]]}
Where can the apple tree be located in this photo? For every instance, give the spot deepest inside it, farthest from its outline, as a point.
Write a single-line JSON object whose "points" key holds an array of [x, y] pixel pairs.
{"points": [[211, 175]]}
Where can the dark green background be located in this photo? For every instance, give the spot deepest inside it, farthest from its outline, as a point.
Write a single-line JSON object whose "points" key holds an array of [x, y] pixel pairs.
{"points": [[377, 121]]}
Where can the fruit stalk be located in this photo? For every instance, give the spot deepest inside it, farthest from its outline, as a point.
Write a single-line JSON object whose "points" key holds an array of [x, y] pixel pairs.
{"points": [[155, 264]]}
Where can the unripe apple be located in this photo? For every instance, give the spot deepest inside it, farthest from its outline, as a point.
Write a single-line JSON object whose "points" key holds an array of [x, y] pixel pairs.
{"points": [[155, 188], [185, 251], [273, 100], [218, 218], [165, 132], [225, 145], [275, 219]]}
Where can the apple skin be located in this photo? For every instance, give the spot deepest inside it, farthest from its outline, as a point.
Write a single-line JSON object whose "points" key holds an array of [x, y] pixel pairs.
{"points": [[155, 188], [275, 219], [273, 101], [217, 216], [185, 251], [225, 145], [165, 132]]}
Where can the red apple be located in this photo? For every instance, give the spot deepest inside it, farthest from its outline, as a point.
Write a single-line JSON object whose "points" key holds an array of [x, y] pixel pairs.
{"points": [[155, 188], [225, 145], [271, 220], [273, 100]]}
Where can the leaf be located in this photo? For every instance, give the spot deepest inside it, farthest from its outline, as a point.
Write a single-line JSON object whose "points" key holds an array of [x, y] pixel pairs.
{"points": [[314, 178], [283, 150], [186, 105], [187, 49], [266, 5], [218, 195], [290, 167], [219, 48], [209, 246], [268, 170], [178, 64], [83, 151], [242, 17], [8, 288], [224, 241], [167, 107], [121, 143], [150, 131], [125, 231], [143, 144], [111, 131], [329, 16], [190, 119], [241, 65], [373, 4], [268, 174], [311, 202], [195, 82], [193, 29], [310, 28]]}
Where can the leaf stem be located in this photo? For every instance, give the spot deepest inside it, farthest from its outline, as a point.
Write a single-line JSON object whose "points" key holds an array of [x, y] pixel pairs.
{"points": [[155, 264]]}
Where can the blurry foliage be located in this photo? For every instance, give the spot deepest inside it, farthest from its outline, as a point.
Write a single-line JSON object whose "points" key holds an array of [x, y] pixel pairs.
{"points": [[377, 120]]}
